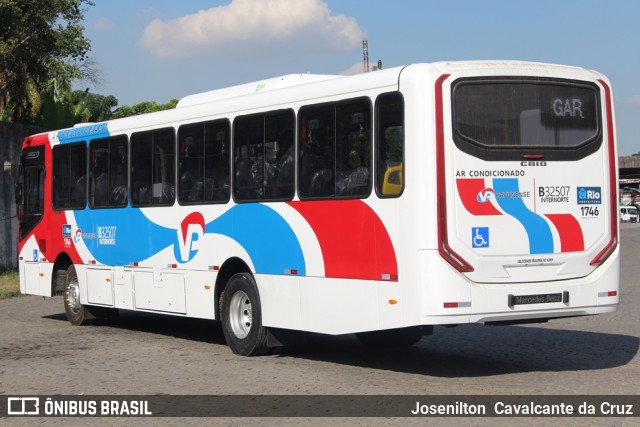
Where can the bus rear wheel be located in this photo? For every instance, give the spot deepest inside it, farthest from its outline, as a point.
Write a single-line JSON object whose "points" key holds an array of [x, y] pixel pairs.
{"points": [[241, 317]]}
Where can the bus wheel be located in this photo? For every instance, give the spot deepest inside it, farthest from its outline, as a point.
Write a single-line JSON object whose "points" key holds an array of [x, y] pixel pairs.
{"points": [[76, 312], [390, 338], [242, 317]]}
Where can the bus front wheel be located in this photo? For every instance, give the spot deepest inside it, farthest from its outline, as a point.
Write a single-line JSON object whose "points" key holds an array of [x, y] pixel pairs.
{"points": [[77, 313], [242, 317]]}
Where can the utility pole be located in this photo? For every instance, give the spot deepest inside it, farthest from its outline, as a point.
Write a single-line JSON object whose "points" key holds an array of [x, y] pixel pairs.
{"points": [[365, 55]]}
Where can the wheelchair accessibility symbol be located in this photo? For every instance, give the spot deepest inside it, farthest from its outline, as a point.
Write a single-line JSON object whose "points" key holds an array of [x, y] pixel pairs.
{"points": [[480, 237]]}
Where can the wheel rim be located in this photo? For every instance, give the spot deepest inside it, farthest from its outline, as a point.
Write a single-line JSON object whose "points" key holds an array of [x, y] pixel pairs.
{"points": [[73, 296], [240, 314]]}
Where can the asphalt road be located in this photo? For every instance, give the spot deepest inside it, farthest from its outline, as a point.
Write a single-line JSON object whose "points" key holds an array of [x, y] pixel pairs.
{"points": [[141, 354]]}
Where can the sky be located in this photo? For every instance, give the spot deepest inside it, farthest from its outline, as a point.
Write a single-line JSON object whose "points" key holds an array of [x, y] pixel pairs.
{"points": [[158, 50]]}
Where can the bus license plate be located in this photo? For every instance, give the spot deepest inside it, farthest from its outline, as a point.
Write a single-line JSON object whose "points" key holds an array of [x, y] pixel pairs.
{"points": [[537, 299]]}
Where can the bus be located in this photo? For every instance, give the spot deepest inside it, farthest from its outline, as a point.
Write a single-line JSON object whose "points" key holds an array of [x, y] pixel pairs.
{"points": [[381, 204]]}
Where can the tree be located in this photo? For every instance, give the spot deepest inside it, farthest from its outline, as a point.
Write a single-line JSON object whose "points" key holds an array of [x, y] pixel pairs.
{"points": [[93, 107], [40, 41], [142, 108], [61, 109]]}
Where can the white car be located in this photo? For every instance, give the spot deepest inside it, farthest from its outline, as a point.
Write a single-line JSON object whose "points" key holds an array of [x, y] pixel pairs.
{"points": [[628, 214]]}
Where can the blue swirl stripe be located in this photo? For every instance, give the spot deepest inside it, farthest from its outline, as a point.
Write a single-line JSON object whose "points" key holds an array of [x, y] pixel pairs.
{"points": [[265, 235], [538, 230], [124, 236]]}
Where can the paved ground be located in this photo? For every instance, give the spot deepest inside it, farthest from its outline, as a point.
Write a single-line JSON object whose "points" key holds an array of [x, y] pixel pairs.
{"points": [[41, 353]]}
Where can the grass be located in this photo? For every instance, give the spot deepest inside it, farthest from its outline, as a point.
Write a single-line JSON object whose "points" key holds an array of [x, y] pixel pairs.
{"points": [[9, 285]]}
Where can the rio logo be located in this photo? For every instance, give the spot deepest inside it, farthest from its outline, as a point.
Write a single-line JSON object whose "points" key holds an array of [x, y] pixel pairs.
{"points": [[589, 195], [190, 234]]}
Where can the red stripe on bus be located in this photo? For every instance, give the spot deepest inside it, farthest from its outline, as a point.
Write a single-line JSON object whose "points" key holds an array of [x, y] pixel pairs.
{"points": [[571, 237], [354, 242]]}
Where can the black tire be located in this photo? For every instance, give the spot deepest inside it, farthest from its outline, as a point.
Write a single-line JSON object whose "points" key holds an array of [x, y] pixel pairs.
{"points": [[242, 317], [59, 282], [391, 338], [77, 313]]}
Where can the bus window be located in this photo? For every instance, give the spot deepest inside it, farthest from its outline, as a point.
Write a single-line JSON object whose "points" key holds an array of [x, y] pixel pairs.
{"points": [[108, 173], [335, 150], [263, 156], [152, 168], [203, 162], [389, 145], [30, 189], [317, 153], [496, 119], [353, 149], [69, 176]]}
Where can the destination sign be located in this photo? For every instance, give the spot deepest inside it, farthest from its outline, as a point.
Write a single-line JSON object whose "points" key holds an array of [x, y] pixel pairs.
{"points": [[568, 107]]}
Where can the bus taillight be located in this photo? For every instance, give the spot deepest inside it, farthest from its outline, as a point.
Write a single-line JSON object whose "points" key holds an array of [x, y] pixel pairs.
{"points": [[443, 241], [613, 184]]}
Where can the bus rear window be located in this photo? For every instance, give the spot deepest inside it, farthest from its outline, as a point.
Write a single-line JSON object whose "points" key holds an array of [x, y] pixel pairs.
{"points": [[524, 114]]}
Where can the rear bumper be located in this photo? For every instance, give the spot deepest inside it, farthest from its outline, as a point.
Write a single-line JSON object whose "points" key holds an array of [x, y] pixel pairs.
{"points": [[454, 299]]}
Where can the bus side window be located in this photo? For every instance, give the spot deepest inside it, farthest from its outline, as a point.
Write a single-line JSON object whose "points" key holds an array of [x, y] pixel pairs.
{"points": [[153, 168], [108, 172], [263, 156], [203, 163], [335, 150], [279, 135], [389, 145], [317, 152], [353, 149], [70, 176]]}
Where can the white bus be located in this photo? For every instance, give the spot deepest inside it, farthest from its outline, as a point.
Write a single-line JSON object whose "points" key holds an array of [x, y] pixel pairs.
{"points": [[379, 204]]}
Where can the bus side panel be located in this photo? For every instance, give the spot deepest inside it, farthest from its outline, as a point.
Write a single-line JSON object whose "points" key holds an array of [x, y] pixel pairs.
{"points": [[280, 298], [123, 288], [200, 293], [156, 290], [446, 295], [36, 279], [100, 286], [338, 306]]}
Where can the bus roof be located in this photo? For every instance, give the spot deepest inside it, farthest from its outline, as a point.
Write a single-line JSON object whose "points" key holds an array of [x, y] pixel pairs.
{"points": [[318, 85], [288, 80]]}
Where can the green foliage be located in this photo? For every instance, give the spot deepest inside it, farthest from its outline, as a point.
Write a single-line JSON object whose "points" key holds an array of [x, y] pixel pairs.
{"points": [[55, 111], [9, 282], [97, 108], [40, 41], [62, 110], [143, 108]]}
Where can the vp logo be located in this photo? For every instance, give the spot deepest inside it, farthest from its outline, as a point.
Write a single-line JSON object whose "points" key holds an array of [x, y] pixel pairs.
{"points": [[190, 236], [485, 195], [78, 236]]}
